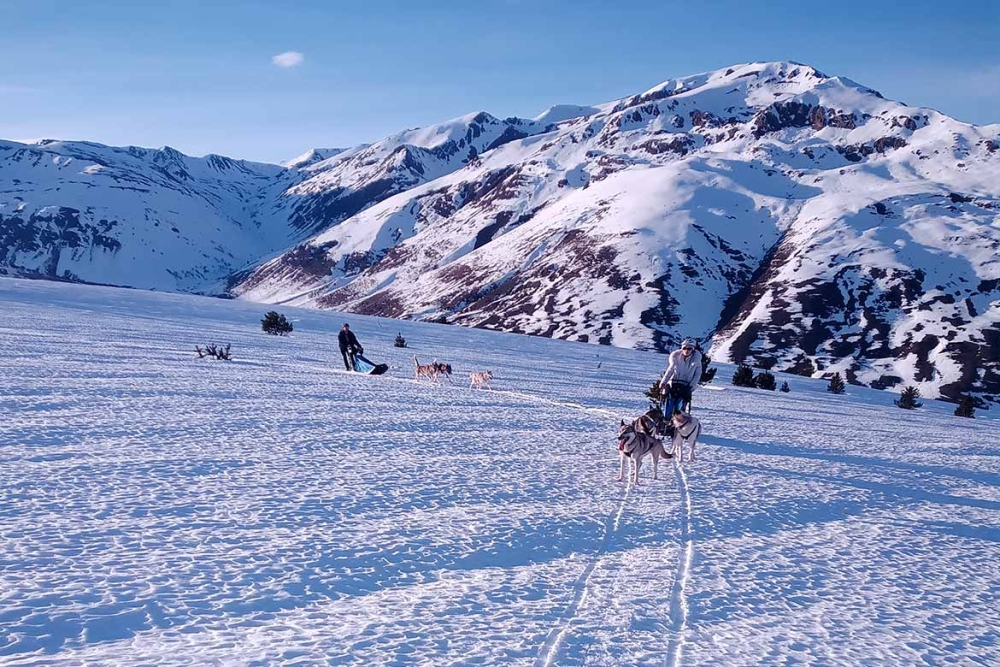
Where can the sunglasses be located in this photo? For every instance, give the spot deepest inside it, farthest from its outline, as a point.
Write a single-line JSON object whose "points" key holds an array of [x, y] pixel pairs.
{"points": [[687, 349]]}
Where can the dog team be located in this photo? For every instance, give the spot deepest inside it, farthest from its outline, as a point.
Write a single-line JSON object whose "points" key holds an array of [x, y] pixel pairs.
{"points": [[636, 440], [644, 436], [350, 348], [435, 369]]}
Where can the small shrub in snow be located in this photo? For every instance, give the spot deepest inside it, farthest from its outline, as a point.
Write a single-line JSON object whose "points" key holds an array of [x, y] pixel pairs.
{"points": [[966, 407], [215, 352], [655, 396], [784, 387], [836, 385], [707, 374], [765, 380], [275, 324], [908, 398], [806, 368], [743, 377], [400, 341]]}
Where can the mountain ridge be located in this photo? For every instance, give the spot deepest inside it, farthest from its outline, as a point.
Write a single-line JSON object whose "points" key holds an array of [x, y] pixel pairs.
{"points": [[778, 214]]}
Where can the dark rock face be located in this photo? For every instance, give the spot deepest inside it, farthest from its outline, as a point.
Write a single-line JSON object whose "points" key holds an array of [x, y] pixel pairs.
{"points": [[848, 320], [319, 211], [782, 115], [49, 233], [303, 264]]}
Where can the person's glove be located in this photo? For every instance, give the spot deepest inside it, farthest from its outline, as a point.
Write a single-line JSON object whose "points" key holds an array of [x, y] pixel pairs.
{"points": [[361, 350]]}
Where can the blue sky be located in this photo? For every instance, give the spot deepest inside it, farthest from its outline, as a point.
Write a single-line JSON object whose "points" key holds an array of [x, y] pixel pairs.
{"points": [[199, 76]]}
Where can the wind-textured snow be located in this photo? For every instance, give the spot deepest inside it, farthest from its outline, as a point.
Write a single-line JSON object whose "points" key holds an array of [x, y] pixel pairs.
{"points": [[156, 508]]}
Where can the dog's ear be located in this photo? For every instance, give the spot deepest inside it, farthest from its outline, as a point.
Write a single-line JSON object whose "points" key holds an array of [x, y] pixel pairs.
{"points": [[623, 422]]}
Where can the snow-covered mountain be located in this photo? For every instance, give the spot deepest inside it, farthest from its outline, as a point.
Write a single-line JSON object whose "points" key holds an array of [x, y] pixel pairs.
{"points": [[768, 209], [775, 211], [135, 216], [160, 219]]}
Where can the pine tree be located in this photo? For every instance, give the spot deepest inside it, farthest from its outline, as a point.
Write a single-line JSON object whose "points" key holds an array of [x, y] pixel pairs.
{"points": [[743, 377], [655, 395], [784, 387], [275, 324], [707, 374], [765, 380], [400, 341], [966, 407], [836, 385], [908, 398]]}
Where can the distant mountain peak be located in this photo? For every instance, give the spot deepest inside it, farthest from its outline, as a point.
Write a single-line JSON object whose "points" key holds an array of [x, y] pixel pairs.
{"points": [[311, 157]]}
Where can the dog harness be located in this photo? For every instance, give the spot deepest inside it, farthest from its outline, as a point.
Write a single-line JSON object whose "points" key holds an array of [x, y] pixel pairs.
{"points": [[630, 441], [694, 426]]}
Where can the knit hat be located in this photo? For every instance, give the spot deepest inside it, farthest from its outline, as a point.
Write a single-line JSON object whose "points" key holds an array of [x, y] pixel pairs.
{"points": [[689, 342]]}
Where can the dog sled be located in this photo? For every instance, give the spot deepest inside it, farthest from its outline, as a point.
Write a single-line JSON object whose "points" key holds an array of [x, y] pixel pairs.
{"points": [[677, 398], [364, 365]]}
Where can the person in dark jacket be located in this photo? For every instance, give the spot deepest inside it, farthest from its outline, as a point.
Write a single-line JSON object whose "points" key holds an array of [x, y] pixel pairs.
{"points": [[349, 346]]}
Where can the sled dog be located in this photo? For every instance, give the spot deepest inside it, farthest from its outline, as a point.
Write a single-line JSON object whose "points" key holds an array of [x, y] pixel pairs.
{"points": [[480, 380], [443, 369], [429, 371], [686, 430], [637, 440]]}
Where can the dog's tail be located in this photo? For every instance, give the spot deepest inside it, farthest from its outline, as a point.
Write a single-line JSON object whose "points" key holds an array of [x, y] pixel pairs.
{"points": [[415, 362]]}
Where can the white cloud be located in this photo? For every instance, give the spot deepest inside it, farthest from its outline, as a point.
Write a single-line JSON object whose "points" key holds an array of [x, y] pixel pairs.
{"points": [[288, 59]]}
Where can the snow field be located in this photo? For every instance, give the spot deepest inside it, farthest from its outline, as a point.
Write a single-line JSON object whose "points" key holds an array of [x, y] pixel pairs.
{"points": [[160, 509]]}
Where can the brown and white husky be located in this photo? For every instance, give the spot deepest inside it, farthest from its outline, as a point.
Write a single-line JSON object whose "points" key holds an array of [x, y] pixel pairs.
{"points": [[429, 371], [480, 380]]}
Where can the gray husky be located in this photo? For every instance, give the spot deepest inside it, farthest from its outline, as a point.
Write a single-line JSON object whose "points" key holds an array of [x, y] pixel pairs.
{"points": [[636, 441]]}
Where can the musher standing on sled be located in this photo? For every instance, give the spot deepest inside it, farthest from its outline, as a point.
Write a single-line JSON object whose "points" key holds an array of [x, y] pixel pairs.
{"points": [[349, 346], [682, 376]]}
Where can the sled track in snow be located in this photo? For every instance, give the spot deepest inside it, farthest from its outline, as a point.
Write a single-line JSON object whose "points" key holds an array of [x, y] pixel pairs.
{"points": [[562, 404], [550, 649], [678, 593]]}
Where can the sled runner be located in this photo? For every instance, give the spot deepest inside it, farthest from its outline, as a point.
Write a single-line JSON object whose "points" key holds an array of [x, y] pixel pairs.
{"points": [[363, 365]]}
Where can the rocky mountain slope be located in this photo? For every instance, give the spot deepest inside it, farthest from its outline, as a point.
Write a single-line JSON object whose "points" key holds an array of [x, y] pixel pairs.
{"points": [[778, 214], [774, 212], [160, 219]]}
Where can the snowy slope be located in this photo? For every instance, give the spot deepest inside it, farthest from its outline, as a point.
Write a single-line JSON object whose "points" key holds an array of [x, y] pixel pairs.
{"points": [[768, 208], [134, 216], [160, 219], [160, 509]]}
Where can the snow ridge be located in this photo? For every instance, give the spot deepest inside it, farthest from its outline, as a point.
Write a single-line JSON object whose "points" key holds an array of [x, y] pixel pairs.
{"points": [[678, 595]]}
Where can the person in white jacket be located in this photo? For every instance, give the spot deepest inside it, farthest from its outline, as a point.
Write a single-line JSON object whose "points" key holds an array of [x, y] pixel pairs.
{"points": [[681, 377]]}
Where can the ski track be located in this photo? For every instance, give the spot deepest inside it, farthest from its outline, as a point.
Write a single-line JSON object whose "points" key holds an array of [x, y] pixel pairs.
{"points": [[678, 593], [550, 649]]}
